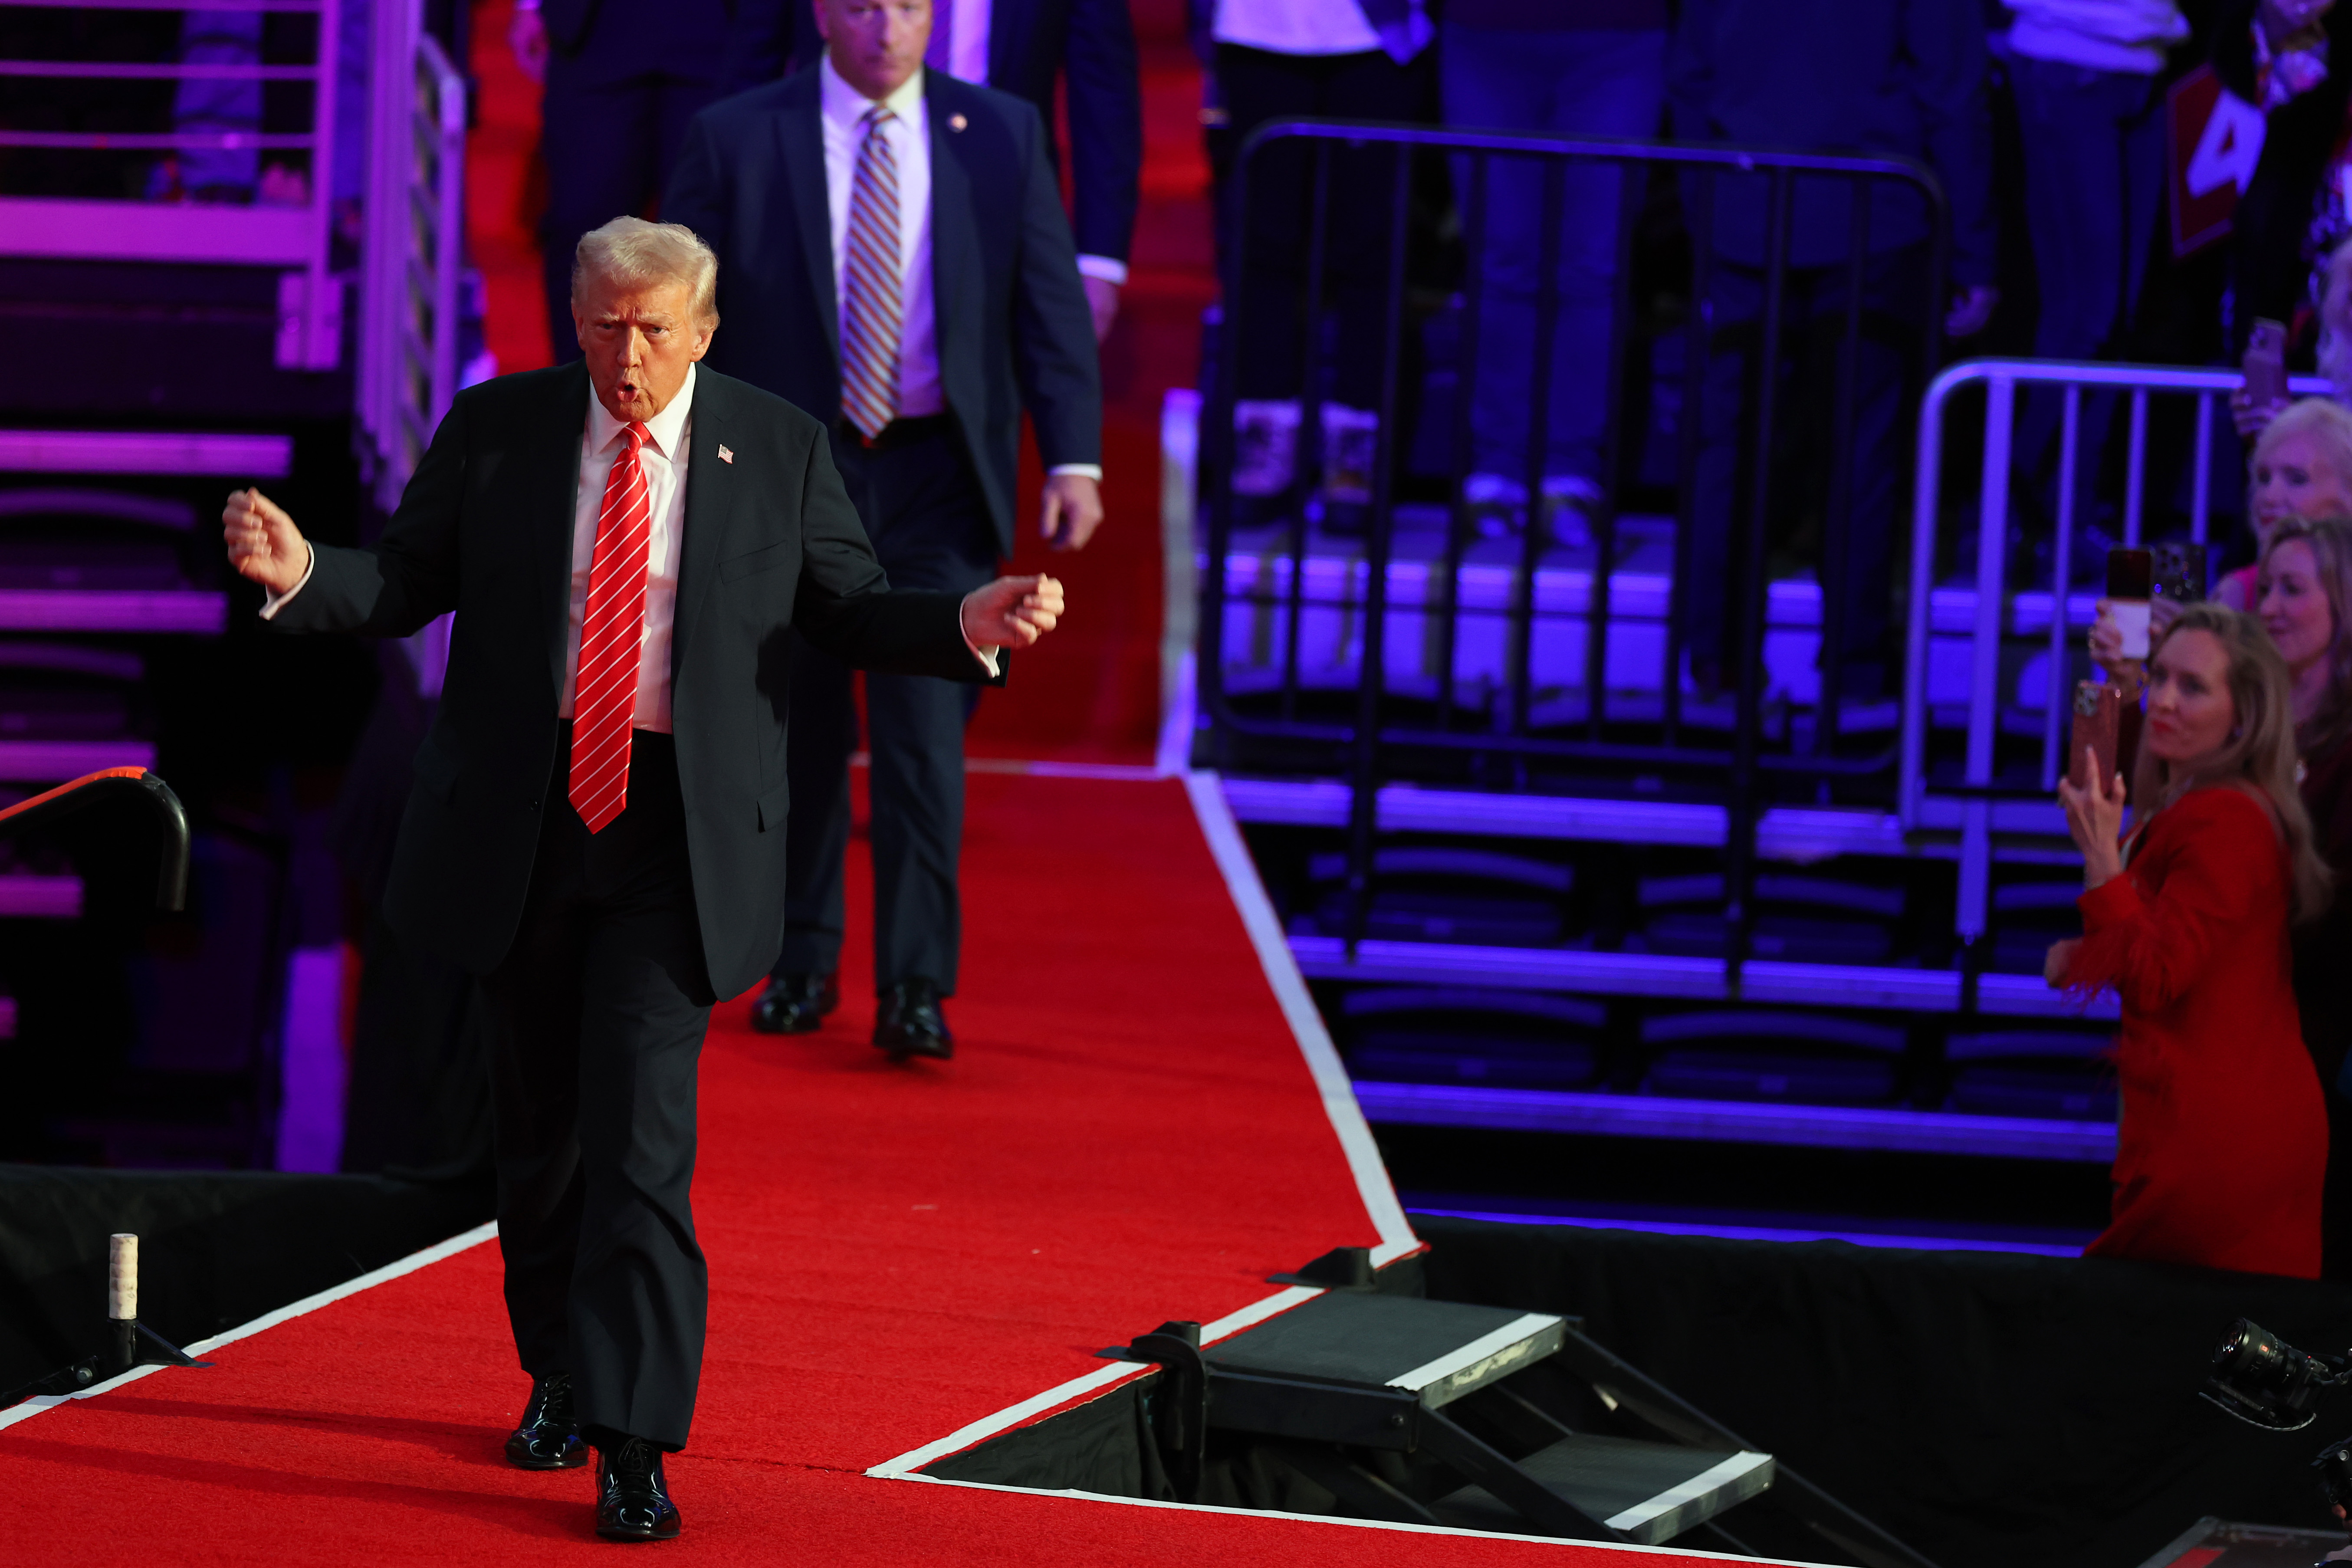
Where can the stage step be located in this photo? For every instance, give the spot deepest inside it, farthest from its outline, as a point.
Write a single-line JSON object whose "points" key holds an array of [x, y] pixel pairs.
{"points": [[1649, 1492], [1439, 1350]]}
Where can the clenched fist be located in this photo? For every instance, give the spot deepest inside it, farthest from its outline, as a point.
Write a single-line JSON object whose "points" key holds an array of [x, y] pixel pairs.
{"points": [[1011, 612], [263, 542]]}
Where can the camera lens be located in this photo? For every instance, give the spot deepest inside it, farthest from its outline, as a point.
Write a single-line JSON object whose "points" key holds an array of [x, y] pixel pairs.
{"points": [[2259, 1377]]}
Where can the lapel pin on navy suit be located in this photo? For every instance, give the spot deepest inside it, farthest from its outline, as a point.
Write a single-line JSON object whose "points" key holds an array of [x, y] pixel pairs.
{"points": [[726, 453], [957, 122]]}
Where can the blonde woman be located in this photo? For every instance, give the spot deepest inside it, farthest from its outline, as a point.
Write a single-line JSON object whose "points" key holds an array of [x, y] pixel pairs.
{"points": [[2302, 468], [2223, 1146]]}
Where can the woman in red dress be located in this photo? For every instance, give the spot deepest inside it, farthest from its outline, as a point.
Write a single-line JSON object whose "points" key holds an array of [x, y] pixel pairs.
{"points": [[2223, 1145]]}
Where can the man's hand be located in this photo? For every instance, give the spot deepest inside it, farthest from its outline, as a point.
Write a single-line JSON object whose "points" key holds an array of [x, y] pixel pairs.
{"points": [[527, 36], [1971, 309], [1102, 300], [263, 542], [1011, 612], [1073, 510]]}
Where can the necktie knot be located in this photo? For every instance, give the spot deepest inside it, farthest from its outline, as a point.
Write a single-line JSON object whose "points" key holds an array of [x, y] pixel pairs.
{"points": [[637, 435]]}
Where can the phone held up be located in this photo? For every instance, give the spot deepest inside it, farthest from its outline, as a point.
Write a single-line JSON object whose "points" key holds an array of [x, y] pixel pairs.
{"points": [[2137, 575], [2265, 364], [2097, 730]]}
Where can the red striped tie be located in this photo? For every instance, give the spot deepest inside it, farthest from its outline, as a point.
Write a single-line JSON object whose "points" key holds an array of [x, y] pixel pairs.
{"points": [[611, 635], [871, 318]]}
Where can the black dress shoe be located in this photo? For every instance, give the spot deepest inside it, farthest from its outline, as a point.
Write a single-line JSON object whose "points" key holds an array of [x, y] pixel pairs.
{"points": [[549, 1437], [795, 1004], [907, 1022], [632, 1501]]}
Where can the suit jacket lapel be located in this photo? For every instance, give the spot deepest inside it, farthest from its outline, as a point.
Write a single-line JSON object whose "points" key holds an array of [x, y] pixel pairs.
{"points": [[800, 136], [958, 303], [554, 462], [710, 506]]}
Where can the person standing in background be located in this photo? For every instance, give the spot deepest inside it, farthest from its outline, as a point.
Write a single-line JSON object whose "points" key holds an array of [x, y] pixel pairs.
{"points": [[1906, 78], [946, 303], [621, 79], [1575, 68], [2088, 78], [1024, 48], [1332, 59]]}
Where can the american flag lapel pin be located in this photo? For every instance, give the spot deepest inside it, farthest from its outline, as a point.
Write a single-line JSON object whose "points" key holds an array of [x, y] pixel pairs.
{"points": [[957, 122], [726, 453]]}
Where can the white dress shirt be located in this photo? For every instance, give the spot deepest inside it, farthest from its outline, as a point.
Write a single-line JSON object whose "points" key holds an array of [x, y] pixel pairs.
{"points": [[1294, 27], [664, 459], [842, 109]]}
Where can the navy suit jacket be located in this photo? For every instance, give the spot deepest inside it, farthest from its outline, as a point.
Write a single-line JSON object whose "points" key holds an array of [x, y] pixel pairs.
{"points": [[1012, 326], [771, 545], [1030, 43]]}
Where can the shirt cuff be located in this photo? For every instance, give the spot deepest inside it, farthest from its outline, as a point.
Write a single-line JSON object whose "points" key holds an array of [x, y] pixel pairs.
{"points": [[987, 656], [1109, 268], [1084, 470], [277, 602]]}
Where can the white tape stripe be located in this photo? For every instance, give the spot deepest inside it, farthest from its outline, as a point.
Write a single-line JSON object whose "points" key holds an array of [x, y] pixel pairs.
{"points": [[1224, 837], [1699, 1486], [1524, 1327], [307, 1304], [1344, 1523]]}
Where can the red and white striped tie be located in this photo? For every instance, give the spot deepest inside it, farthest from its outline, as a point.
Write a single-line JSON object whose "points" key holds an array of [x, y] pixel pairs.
{"points": [[872, 315], [611, 634]]}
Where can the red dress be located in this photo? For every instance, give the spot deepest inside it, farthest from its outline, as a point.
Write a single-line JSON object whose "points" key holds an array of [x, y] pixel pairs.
{"points": [[2223, 1146]]}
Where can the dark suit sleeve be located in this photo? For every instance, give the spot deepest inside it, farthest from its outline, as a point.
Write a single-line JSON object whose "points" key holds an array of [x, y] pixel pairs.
{"points": [[409, 576], [843, 603], [696, 193], [1052, 330], [1105, 108]]}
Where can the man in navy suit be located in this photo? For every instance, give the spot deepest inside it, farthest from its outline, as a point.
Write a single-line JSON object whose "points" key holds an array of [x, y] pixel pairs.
{"points": [[1020, 46], [895, 260]]}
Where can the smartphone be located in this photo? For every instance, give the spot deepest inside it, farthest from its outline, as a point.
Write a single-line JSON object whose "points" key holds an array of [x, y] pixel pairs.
{"points": [[2098, 728], [2178, 569], [2265, 364], [2131, 581]]}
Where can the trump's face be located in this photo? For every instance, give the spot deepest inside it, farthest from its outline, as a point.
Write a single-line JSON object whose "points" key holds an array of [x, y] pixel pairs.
{"points": [[876, 45], [638, 341]]}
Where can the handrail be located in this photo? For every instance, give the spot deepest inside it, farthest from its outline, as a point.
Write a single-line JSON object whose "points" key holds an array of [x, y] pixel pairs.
{"points": [[111, 785]]}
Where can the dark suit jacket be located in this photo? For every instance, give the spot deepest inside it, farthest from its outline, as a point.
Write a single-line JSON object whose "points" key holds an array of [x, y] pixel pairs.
{"points": [[632, 36], [1012, 325], [485, 529], [1030, 43]]}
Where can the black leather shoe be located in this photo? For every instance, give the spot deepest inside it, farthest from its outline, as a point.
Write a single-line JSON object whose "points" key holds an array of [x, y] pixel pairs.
{"points": [[632, 1501], [549, 1437], [795, 1004], [907, 1022]]}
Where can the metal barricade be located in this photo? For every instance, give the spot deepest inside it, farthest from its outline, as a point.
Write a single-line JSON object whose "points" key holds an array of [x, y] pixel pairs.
{"points": [[1540, 585], [1982, 805], [292, 234]]}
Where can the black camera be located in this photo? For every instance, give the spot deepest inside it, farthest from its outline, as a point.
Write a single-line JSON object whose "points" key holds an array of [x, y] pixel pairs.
{"points": [[2261, 1379]]}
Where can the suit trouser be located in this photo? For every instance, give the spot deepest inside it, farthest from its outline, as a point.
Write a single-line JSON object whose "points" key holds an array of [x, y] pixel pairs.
{"points": [[611, 134], [922, 507], [595, 1024]]}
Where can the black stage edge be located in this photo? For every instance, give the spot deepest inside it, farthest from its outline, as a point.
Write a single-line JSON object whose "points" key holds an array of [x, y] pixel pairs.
{"points": [[1986, 1408], [1989, 1410], [215, 1248]]}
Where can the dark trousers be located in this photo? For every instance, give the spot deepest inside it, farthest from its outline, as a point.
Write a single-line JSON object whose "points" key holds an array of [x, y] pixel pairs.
{"points": [[1807, 490], [2094, 146], [923, 509], [609, 137], [595, 1024], [1270, 336]]}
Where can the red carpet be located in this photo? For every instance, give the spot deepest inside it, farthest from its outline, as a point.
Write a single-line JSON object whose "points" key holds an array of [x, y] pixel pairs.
{"points": [[1129, 1134]]}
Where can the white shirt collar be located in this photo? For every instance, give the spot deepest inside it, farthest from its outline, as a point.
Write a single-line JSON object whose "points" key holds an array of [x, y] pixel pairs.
{"points": [[665, 430], [845, 106]]}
